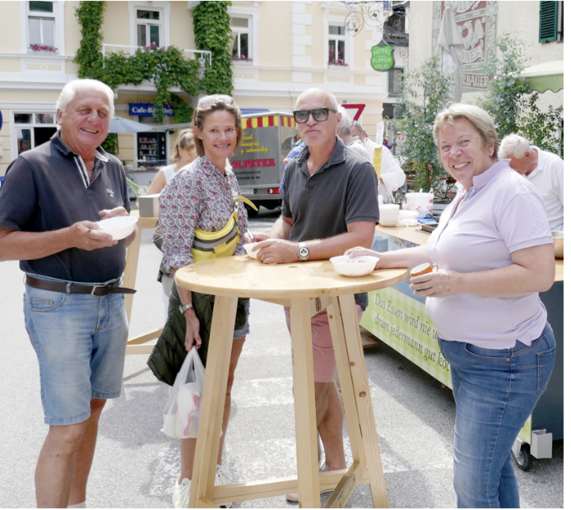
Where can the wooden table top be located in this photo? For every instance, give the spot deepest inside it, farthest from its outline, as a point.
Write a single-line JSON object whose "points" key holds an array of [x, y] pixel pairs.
{"points": [[242, 276], [144, 221]]}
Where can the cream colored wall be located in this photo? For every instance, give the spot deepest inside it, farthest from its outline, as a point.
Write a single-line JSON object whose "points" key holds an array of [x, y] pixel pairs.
{"points": [[274, 33], [10, 65], [10, 31], [5, 158], [72, 29], [181, 26], [116, 28]]}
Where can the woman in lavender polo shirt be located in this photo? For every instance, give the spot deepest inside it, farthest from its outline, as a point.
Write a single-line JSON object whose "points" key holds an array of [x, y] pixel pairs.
{"points": [[493, 247]]}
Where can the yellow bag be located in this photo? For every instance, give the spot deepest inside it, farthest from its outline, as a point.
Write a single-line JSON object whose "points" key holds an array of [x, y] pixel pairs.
{"points": [[223, 242]]}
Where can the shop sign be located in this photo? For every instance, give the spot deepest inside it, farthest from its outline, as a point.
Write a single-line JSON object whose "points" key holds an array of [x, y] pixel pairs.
{"points": [[382, 58], [401, 321], [147, 110]]}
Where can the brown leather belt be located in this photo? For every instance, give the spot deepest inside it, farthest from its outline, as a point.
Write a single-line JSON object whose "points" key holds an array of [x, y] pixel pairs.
{"points": [[94, 290]]}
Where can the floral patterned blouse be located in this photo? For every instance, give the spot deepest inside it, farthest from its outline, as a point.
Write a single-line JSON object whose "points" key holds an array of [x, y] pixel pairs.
{"points": [[198, 196]]}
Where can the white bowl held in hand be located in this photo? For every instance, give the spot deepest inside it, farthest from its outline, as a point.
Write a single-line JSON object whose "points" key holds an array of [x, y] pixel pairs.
{"points": [[354, 266], [249, 250], [119, 226]]}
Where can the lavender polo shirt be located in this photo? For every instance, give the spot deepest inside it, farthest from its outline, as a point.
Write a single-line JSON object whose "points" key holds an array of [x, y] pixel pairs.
{"points": [[501, 213]]}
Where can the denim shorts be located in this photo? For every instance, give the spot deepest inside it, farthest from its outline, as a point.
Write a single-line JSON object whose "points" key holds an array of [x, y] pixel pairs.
{"points": [[80, 341], [239, 333]]}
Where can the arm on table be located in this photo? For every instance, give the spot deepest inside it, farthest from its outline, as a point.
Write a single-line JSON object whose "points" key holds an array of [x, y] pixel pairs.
{"points": [[408, 257], [281, 251]]}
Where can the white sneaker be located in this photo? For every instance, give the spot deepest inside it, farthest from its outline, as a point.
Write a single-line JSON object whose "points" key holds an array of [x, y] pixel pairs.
{"points": [[181, 496], [294, 498], [223, 478]]}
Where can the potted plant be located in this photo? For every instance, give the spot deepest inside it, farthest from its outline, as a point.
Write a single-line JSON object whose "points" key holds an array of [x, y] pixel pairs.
{"points": [[425, 92], [41, 48]]}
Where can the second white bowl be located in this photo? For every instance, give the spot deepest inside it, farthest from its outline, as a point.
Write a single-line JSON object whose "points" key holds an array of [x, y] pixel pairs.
{"points": [[354, 266]]}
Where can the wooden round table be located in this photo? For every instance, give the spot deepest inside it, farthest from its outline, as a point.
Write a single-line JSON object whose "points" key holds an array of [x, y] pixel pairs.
{"points": [[308, 288]]}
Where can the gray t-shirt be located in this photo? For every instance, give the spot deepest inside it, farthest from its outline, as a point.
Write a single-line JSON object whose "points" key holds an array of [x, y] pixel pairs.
{"points": [[343, 191]]}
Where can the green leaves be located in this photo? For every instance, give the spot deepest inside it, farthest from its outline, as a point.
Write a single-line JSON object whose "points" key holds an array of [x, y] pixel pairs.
{"points": [[425, 92], [513, 104], [212, 32]]}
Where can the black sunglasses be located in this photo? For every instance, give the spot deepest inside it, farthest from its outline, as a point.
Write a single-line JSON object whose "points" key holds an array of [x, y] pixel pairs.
{"points": [[319, 115]]}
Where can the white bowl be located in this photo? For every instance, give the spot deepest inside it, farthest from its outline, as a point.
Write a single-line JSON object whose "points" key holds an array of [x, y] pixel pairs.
{"points": [[119, 226], [248, 247], [408, 215], [388, 222], [354, 266]]}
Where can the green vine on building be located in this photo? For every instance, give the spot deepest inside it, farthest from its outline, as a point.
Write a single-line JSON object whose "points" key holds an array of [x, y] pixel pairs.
{"points": [[212, 32], [166, 67]]}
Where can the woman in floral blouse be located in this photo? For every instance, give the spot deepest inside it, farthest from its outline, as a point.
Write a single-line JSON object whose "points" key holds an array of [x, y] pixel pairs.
{"points": [[203, 196]]}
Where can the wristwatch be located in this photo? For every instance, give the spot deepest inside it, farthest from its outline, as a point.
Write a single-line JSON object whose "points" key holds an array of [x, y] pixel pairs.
{"points": [[302, 251], [184, 308]]}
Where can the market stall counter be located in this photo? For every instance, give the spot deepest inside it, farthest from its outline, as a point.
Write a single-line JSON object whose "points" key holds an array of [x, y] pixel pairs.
{"points": [[398, 318], [307, 287]]}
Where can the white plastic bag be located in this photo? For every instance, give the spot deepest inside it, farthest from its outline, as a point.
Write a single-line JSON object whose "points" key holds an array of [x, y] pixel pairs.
{"points": [[182, 411]]}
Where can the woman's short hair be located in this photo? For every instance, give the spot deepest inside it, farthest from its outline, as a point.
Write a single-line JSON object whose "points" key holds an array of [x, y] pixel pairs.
{"points": [[71, 88], [478, 117], [514, 145], [184, 141], [215, 103]]}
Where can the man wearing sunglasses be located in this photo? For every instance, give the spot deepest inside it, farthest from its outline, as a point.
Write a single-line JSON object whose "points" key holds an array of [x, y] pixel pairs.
{"points": [[329, 205]]}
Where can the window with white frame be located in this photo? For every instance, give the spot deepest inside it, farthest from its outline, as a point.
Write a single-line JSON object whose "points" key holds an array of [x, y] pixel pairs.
{"points": [[241, 38], [33, 129], [41, 17], [149, 27], [337, 46]]}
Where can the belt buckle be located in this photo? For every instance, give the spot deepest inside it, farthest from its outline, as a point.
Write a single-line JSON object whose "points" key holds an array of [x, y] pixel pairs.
{"points": [[94, 290]]}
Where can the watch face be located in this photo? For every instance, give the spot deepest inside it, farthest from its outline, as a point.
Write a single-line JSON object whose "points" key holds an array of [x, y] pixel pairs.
{"points": [[303, 252]]}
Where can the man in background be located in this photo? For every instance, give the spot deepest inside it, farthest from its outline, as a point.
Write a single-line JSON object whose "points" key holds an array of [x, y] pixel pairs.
{"points": [[543, 169]]}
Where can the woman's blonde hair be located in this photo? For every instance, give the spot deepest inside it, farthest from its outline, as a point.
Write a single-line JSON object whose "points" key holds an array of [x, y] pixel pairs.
{"points": [[212, 104], [478, 117], [184, 141]]}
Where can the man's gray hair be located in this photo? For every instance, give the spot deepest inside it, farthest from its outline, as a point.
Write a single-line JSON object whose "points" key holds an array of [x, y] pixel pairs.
{"points": [[71, 88], [514, 145], [359, 126], [331, 99], [346, 121]]}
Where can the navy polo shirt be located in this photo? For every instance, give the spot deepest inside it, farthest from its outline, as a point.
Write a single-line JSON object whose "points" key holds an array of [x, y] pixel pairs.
{"points": [[47, 189], [342, 191]]}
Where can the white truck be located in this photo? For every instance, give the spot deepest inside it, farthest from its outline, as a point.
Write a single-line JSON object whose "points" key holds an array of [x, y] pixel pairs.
{"points": [[258, 162]]}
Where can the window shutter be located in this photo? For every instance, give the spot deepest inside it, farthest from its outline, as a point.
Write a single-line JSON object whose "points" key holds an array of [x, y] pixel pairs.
{"points": [[548, 21]]}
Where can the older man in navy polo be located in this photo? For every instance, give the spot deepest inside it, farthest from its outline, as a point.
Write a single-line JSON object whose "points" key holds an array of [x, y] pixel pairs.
{"points": [[52, 198]]}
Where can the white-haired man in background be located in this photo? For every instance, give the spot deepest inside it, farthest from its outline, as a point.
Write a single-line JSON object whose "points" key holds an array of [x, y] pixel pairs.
{"points": [[52, 198], [344, 132], [543, 169], [392, 176]]}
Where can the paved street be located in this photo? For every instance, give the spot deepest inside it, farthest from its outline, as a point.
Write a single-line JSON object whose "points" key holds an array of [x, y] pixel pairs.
{"points": [[136, 464]]}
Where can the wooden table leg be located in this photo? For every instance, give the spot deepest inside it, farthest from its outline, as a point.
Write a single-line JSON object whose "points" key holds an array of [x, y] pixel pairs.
{"points": [[130, 275], [346, 383], [364, 403], [213, 398], [304, 403]]}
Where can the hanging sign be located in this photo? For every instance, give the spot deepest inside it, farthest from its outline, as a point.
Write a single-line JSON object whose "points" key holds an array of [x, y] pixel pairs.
{"points": [[147, 109], [382, 58]]}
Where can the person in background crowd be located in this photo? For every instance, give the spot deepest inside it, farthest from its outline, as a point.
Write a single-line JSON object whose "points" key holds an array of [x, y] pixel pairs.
{"points": [[350, 141], [203, 198], [543, 169], [493, 247], [184, 153], [341, 212], [392, 176], [52, 198]]}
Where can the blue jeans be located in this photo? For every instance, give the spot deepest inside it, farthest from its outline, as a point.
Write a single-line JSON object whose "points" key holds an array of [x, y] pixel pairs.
{"points": [[80, 341], [495, 392]]}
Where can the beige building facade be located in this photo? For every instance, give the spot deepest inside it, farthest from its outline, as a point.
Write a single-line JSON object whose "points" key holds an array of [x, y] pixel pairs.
{"points": [[280, 49], [479, 23]]}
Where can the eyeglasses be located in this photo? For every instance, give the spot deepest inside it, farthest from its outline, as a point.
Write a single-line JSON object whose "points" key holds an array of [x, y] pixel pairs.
{"points": [[210, 100], [319, 115]]}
